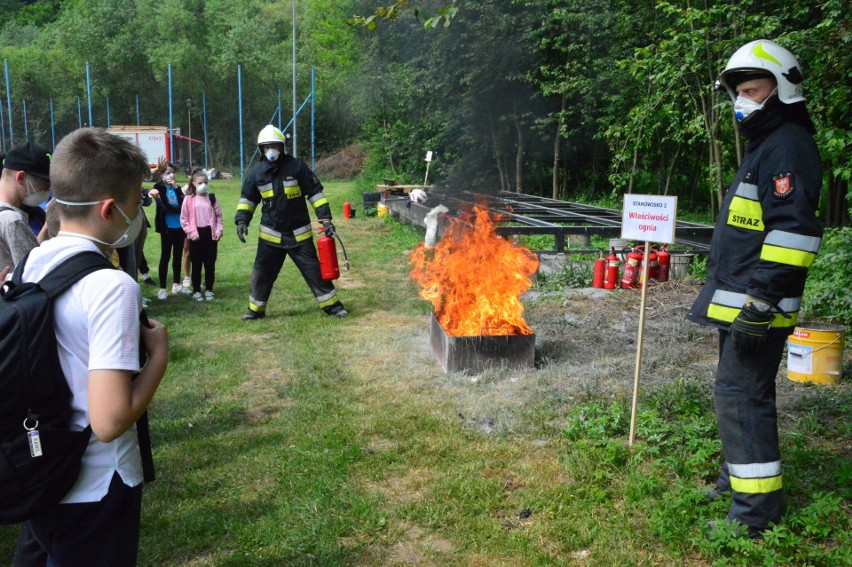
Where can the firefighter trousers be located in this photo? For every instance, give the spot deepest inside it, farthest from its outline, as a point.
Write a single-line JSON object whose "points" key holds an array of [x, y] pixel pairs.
{"points": [[267, 266], [747, 417]]}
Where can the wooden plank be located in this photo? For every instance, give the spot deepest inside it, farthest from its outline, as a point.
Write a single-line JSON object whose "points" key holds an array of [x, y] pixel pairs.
{"points": [[403, 188]]}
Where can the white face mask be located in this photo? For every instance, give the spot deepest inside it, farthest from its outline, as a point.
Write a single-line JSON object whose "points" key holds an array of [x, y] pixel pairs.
{"points": [[168, 177], [745, 107], [272, 155], [127, 238], [34, 197], [202, 189]]}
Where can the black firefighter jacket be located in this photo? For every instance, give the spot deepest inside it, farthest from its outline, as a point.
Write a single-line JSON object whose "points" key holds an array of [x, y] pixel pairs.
{"points": [[767, 234], [282, 187]]}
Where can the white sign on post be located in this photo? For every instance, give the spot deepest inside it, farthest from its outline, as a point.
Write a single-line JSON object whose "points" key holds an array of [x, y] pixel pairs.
{"points": [[646, 218], [649, 218], [429, 155]]}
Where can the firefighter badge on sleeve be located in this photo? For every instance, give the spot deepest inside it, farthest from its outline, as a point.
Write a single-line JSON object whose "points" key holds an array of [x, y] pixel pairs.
{"points": [[783, 185]]}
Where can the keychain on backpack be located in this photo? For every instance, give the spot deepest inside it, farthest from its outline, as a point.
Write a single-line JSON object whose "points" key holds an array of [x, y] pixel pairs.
{"points": [[33, 437]]}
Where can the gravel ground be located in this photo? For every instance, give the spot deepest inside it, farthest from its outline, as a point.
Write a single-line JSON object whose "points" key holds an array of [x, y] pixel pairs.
{"points": [[586, 347]]}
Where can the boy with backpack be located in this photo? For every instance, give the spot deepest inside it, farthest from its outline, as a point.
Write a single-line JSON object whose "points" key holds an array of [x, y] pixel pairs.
{"points": [[96, 180], [24, 184]]}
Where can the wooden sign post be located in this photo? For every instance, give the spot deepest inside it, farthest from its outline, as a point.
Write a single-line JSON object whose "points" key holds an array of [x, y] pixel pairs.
{"points": [[428, 162], [645, 218]]}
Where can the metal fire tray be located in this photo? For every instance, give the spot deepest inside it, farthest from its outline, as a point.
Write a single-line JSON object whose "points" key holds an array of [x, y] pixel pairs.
{"points": [[475, 354]]}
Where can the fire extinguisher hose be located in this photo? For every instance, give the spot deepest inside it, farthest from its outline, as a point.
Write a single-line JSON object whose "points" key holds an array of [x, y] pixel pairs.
{"points": [[343, 248]]}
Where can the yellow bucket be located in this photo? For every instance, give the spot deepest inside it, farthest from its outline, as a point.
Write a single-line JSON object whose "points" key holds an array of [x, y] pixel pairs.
{"points": [[382, 210], [815, 353]]}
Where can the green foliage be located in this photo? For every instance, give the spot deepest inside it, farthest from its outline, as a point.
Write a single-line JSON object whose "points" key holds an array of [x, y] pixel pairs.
{"points": [[678, 452], [573, 273], [444, 15], [698, 268], [827, 294], [622, 89]]}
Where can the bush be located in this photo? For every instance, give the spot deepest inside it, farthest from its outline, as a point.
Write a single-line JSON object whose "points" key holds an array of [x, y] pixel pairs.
{"points": [[698, 268], [575, 273], [827, 291]]}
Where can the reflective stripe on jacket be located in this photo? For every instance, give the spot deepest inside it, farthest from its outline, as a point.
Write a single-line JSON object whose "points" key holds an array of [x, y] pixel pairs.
{"points": [[284, 190], [767, 234]]}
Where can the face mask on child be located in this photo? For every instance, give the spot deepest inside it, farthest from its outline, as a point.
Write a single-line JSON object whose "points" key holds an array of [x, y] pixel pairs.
{"points": [[34, 197], [134, 227], [202, 189]]}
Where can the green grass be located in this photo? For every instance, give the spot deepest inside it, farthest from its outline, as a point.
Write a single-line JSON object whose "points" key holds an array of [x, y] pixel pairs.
{"points": [[306, 440]]}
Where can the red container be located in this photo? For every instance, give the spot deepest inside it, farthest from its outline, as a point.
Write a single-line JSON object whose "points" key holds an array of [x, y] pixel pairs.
{"points": [[329, 269], [611, 275], [599, 271], [664, 258], [347, 210]]}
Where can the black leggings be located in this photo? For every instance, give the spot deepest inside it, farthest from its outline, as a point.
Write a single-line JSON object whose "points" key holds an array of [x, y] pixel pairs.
{"points": [[171, 245], [202, 253]]}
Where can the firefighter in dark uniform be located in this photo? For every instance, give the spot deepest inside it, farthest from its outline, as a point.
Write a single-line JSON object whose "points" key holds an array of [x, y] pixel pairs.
{"points": [[766, 237], [284, 185]]}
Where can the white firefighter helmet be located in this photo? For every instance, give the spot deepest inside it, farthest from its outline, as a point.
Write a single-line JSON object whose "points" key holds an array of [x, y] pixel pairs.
{"points": [[763, 57], [418, 196], [271, 135]]}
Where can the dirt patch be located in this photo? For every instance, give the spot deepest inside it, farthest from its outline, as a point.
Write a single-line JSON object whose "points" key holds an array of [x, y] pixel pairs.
{"points": [[586, 347], [345, 164], [418, 546], [403, 489], [261, 396]]}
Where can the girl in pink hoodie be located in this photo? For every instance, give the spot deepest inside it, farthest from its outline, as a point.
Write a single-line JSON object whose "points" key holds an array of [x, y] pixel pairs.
{"points": [[201, 220]]}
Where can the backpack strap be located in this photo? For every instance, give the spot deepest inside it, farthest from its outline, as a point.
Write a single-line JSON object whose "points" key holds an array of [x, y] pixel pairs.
{"points": [[70, 271], [18, 274]]}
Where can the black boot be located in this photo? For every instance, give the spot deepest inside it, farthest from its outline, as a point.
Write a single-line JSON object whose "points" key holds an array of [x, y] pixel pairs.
{"points": [[249, 315]]}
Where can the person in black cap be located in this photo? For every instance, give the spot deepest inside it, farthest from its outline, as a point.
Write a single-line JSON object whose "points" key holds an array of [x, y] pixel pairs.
{"points": [[25, 181]]}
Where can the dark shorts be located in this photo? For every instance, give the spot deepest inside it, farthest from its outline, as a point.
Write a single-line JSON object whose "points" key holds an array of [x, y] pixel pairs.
{"points": [[87, 534]]}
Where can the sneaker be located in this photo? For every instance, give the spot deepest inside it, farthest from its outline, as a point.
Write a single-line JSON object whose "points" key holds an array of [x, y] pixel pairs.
{"points": [[147, 279], [162, 295], [250, 315], [187, 282], [145, 302], [197, 296], [176, 288], [186, 289], [208, 295]]}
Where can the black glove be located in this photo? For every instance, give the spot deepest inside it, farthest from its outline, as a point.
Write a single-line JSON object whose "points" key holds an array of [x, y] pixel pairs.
{"points": [[242, 231], [328, 227], [749, 329]]}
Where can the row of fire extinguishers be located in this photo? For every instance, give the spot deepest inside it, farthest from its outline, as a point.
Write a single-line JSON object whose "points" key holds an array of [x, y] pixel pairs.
{"points": [[607, 269]]}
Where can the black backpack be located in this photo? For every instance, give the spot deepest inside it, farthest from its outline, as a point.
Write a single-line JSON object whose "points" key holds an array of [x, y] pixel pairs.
{"points": [[40, 457]]}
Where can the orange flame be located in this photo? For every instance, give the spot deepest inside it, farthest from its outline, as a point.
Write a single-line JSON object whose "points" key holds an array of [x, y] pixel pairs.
{"points": [[474, 278]]}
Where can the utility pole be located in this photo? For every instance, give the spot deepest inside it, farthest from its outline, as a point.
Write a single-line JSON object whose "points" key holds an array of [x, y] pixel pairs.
{"points": [[294, 78], [189, 129]]}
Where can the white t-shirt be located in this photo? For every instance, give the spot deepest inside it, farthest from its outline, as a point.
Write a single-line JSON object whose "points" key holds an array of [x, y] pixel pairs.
{"points": [[97, 328]]}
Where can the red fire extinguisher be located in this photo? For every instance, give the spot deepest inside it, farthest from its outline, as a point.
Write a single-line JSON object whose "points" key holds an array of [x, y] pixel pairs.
{"points": [[664, 259], [599, 272], [632, 265], [347, 210], [611, 273], [329, 268], [653, 267]]}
